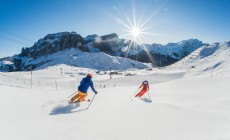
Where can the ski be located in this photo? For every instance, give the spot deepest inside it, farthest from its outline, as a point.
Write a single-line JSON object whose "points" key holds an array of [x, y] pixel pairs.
{"points": [[131, 97], [85, 100]]}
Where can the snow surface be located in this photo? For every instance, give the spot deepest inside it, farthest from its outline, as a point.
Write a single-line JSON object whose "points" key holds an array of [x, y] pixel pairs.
{"points": [[186, 103]]}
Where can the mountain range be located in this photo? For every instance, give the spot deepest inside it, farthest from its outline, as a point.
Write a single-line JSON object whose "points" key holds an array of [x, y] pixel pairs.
{"points": [[97, 52]]}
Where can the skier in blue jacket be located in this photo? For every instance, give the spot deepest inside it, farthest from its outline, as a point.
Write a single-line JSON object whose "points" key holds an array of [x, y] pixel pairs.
{"points": [[82, 89]]}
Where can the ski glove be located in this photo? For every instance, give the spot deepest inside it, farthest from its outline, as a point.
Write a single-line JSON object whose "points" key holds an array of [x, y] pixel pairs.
{"points": [[96, 92]]}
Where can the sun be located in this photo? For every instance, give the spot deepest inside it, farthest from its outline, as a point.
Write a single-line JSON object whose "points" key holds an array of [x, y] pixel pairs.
{"points": [[135, 28], [135, 32]]}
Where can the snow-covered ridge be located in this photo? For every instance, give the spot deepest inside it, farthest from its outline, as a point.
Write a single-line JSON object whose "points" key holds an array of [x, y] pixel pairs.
{"points": [[208, 59], [176, 50]]}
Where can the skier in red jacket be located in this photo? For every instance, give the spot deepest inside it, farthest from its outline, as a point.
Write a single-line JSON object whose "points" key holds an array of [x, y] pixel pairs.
{"points": [[145, 88]]}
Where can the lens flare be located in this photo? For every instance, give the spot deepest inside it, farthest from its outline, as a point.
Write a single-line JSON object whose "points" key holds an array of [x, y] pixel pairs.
{"points": [[135, 29]]}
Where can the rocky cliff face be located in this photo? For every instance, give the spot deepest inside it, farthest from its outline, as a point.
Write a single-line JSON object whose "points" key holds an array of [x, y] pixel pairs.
{"points": [[53, 43]]}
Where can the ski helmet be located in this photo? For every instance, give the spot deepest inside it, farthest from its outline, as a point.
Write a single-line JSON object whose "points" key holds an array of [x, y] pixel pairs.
{"points": [[89, 75], [145, 82]]}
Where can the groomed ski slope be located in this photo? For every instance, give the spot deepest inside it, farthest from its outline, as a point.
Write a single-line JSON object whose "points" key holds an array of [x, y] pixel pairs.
{"points": [[187, 104], [188, 108]]}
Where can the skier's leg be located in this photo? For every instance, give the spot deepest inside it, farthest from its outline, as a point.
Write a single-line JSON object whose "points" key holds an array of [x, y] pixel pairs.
{"points": [[139, 93], [76, 97], [144, 91], [82, 97]]}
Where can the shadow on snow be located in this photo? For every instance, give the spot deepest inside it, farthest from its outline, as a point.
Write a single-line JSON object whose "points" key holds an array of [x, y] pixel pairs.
{"points": [[147, 100], [66, 109]]}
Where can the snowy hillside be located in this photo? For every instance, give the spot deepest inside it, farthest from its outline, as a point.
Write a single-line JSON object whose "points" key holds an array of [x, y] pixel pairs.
{"points": [[210, 59], [189, 100], [75, 57]]}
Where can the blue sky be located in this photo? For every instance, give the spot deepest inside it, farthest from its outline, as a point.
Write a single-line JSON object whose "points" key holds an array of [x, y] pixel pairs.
{"points": [[23, 22]]}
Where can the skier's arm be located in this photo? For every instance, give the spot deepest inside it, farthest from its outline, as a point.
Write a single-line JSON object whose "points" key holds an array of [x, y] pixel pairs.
{"points": [[148, 87], [92, 87], [141, 86]]}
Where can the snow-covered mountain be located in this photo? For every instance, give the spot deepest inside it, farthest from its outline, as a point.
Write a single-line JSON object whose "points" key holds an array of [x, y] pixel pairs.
{"points": [[170, 53], [72, 49], [60, 45], [75, 57], [176, 50], [214, 58]]}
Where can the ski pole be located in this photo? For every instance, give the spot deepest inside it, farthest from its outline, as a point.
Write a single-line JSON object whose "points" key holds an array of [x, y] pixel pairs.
{"points": [[134, 92], [72, 94], [91, 101]]}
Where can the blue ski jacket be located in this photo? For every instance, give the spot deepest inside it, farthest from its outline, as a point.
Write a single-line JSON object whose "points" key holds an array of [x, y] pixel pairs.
{"points": [[85, 84]]}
